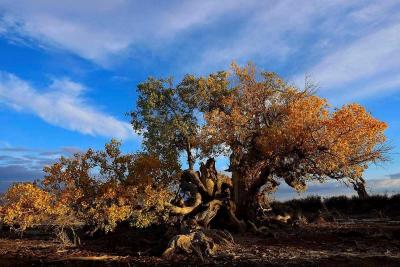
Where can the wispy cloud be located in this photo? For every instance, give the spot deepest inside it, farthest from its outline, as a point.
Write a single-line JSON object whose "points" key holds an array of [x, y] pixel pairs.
{"points": [[273, 31], [394, 176], [371, 55], [363, 58], [61, 104], [15, 149], [342, 44], [19, 172], [108, 28], [20, 164], [213, 33]]}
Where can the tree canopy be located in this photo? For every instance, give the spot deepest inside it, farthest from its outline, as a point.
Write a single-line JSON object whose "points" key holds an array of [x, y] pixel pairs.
{"points": [[166, 118], [276, 131]]}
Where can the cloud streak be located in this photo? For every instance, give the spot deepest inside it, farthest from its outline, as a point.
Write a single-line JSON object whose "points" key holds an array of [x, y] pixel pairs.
{"points": [[61, 104], [22, 164], [108, 28], [394, 176], [374, 54], [364, 35]]}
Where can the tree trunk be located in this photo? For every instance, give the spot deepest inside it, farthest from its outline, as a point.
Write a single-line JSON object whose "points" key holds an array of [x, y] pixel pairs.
{"points": [[359, 186], [241, 195], [251, 184], [209, 198], [189, 155]]}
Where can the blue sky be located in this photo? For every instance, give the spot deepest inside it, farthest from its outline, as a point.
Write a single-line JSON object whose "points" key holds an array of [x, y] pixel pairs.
{"points": [[68, 69]]}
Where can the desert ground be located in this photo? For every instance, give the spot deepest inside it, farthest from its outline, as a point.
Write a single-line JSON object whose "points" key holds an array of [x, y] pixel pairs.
{"points": [[335, 237]]}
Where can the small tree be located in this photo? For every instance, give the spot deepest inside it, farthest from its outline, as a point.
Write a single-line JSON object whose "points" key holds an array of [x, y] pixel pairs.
{"points": [[25, 205], [107, 187]]}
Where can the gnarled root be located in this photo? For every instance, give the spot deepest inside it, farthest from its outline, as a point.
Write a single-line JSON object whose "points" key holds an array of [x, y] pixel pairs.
{"points": [[201, 243], [207, 199]]}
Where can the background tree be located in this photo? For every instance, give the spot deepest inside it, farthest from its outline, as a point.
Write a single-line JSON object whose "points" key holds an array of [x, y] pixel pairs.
{"points": [[165, 116], [107, 187], [26, 205], [95, 189]]}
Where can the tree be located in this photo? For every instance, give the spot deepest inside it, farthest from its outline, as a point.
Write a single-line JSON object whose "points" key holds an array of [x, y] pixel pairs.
{"points": [[275, 131], [26, 205], [107, 187], [95, 189], [269, 129], [165, 117]]}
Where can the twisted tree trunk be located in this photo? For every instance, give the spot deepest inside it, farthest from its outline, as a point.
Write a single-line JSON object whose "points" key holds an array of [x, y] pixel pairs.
{"points": [[206, 196], [359, 187]]}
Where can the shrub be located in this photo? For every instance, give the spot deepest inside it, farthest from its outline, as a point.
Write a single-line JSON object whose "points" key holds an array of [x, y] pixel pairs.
{"points": [[25, 205]]}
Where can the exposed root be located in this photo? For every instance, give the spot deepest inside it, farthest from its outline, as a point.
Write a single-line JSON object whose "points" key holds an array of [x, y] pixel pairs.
{"points": [[207, 195], [240, 224], [201, 243], [272, 225], [259, 230], [186, 209]]}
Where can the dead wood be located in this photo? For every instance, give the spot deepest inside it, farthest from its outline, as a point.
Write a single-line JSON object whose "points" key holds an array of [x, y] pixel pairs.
{"points": [[201, 243]]}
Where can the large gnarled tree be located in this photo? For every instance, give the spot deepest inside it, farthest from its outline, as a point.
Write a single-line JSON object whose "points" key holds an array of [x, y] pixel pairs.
{"points": [[274, 131], [269, 129]]}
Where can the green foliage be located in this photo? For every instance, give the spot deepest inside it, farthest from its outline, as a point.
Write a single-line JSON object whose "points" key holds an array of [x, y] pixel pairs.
{"points": [[165, 116]]}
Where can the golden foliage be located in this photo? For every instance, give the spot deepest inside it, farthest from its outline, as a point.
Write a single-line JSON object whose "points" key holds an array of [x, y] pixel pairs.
{"points": [[97, 189], [26, 205], [150, 207], [290, 133]]}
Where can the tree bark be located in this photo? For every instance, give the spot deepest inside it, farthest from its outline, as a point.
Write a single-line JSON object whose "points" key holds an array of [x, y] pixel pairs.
{"points": [[189, 155], [247, 181], [359, 187], [209, 197]]}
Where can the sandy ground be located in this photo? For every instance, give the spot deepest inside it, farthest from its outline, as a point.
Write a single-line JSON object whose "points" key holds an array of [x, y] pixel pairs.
{"points": [[344, 243]]}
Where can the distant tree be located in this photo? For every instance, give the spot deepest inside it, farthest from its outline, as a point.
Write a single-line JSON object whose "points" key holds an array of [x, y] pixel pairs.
{"points": [[26, 205]]}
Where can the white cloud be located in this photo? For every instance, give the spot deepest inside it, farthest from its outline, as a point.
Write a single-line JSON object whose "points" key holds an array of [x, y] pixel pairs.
{"points": [[374, 54], [379, 86], [272, 30], [61, 104], [102, 30], [369, 12], [99, 30], [207, 34], [367, 63]]}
